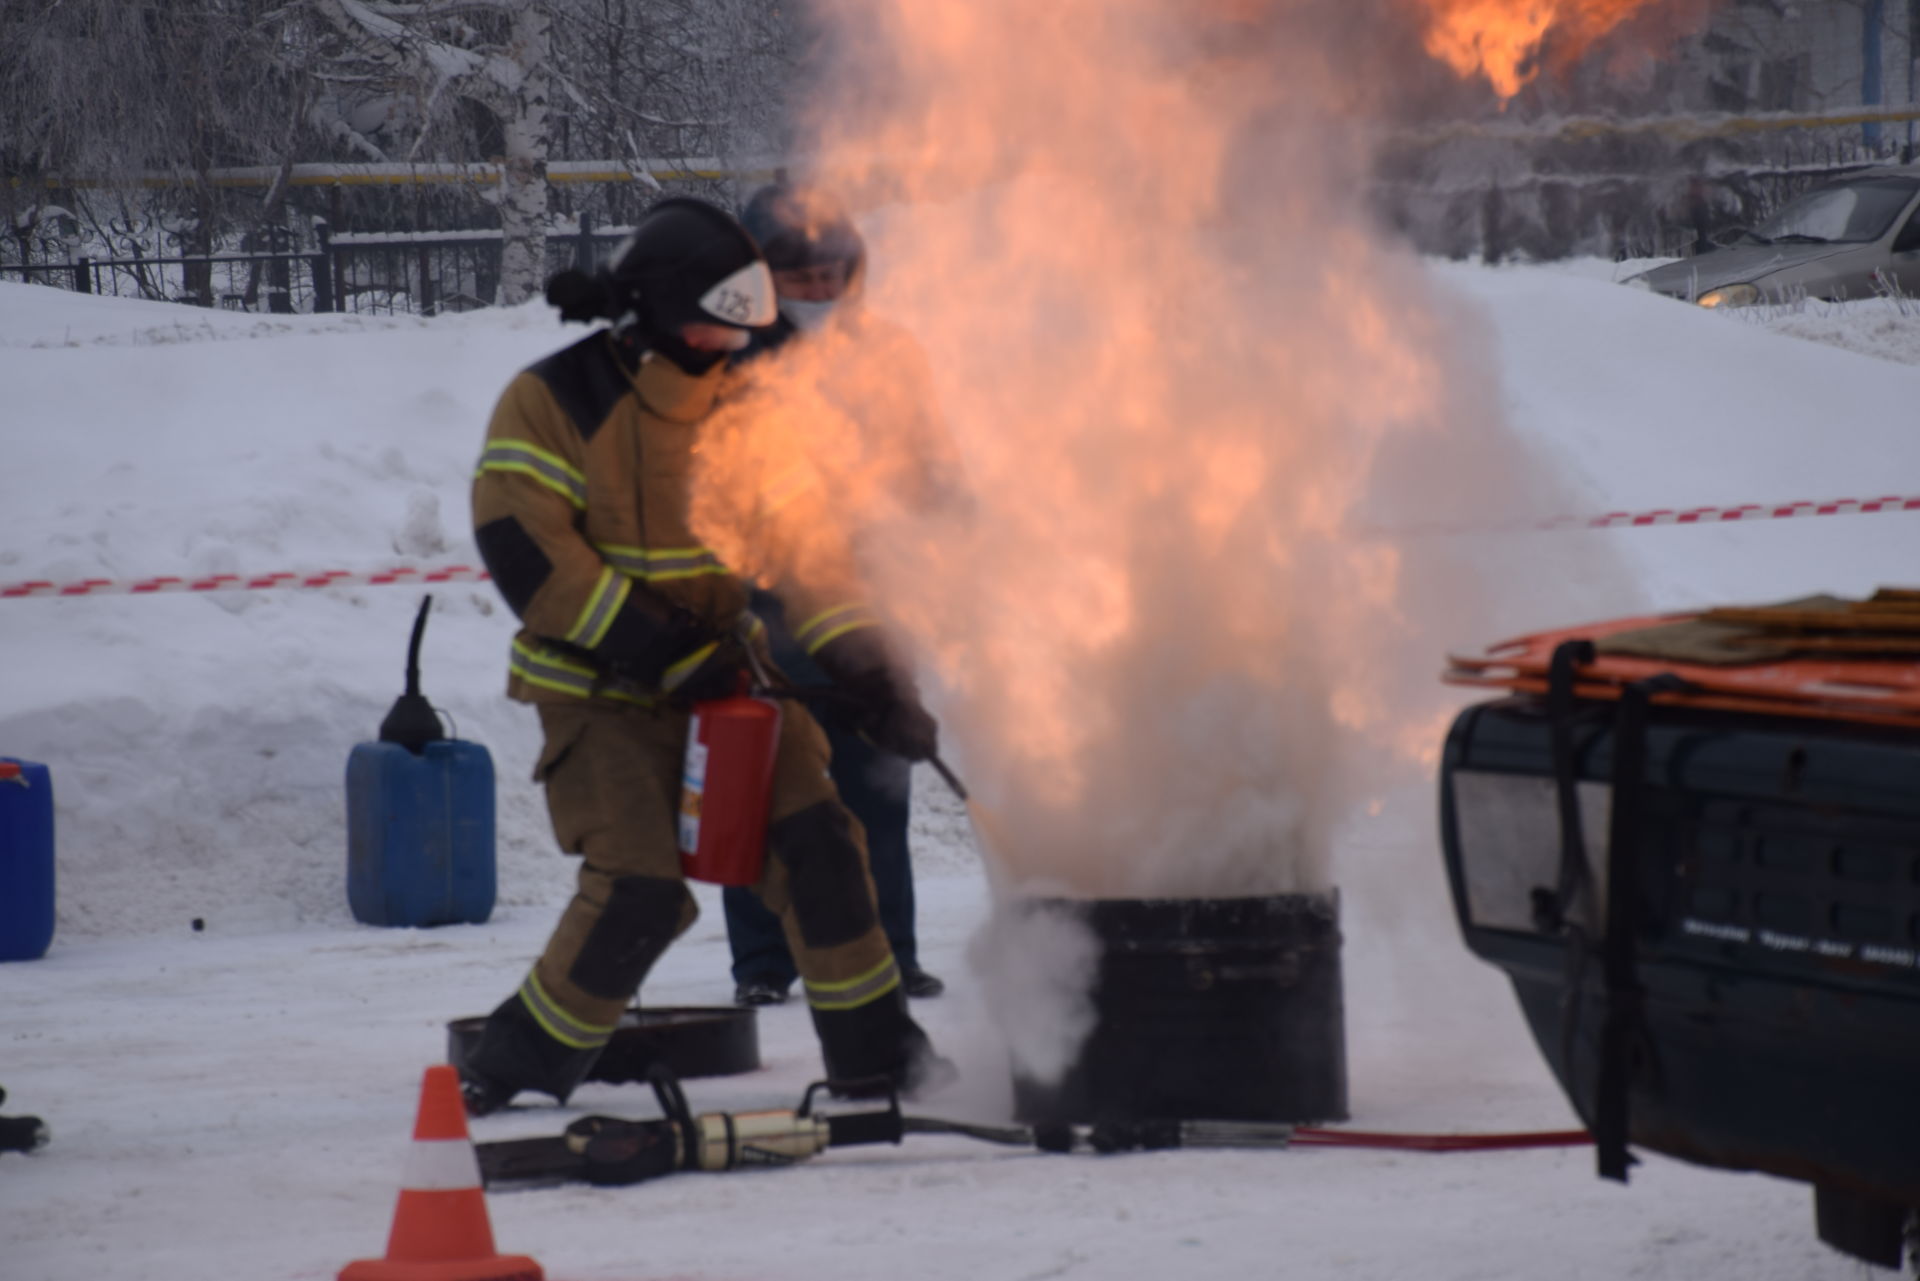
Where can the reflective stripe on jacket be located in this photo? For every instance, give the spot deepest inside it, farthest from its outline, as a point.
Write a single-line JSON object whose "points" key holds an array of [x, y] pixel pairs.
{"points": [[580, 507]]}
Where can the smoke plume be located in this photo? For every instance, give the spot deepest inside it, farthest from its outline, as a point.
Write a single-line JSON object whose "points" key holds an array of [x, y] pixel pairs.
{"points": [[1190, 391]]}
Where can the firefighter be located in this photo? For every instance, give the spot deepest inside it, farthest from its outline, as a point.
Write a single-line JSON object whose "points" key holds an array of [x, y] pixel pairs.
{"points": [[580, 506], [818, 257]]}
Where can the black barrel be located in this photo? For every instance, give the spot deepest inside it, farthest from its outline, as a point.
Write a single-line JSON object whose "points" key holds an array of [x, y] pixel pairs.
{"points": [[1207, 1009]]}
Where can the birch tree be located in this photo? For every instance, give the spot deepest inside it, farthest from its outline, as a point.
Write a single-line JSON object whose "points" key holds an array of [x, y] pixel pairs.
{"points": [[486, 61]]}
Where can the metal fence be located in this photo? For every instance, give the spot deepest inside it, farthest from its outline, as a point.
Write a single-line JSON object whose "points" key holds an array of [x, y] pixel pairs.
{"points": [[418, 273]]}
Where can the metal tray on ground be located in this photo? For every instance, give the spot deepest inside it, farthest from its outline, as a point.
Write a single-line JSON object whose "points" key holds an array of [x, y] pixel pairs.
{"points": [[691, 1040]]}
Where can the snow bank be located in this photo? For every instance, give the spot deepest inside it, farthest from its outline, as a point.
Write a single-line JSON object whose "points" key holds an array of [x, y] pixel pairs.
{"points": [[236, 1101]]}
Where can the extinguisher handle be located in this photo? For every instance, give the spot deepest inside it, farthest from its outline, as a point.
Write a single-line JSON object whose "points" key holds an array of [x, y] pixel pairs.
{"points": [[763, 682], [833, 694]]}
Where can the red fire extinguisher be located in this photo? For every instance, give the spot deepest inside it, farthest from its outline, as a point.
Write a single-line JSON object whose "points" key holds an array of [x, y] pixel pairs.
{"points": [[727, 787]]}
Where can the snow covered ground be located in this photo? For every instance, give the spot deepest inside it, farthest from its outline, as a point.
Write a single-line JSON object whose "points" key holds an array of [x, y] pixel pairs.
{"points": [[235, 1101]]}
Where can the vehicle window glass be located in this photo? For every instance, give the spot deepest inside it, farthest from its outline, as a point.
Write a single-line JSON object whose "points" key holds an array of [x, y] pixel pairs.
{"points": [[1854, 212]]}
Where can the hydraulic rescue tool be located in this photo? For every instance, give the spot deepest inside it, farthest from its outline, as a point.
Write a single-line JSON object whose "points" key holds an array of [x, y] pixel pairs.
{"points": [[611, 1151]]}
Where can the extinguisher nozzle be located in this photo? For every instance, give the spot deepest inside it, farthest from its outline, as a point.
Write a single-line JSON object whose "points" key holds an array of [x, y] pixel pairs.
{"points": [[952, 779]]}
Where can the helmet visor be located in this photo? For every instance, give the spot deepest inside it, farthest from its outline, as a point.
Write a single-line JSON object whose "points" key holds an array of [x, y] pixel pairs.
{"points": [[744, 299]]}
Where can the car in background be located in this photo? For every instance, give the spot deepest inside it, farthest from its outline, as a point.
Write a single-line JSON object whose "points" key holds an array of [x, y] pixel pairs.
{"points": [[1858, 238]]}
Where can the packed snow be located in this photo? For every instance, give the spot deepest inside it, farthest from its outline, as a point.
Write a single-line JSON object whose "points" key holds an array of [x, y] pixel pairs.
{"points": [[235, 1100]]}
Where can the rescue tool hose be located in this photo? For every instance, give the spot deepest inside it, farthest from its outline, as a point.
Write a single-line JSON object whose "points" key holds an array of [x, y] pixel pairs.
{"points": [[1319, 1138], [1132, 1136]]}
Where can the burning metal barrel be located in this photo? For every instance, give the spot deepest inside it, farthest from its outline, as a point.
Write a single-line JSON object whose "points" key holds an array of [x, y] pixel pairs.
{"points": [[1207, 1008]]}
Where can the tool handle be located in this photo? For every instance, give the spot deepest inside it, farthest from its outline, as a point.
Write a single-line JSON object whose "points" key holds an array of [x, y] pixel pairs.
{"points": [[854, 1128], [22, 1134]]}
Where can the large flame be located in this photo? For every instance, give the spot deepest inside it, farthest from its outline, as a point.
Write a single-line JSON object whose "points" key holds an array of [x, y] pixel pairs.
{"points": [[1182, 376], [1502, 39]]}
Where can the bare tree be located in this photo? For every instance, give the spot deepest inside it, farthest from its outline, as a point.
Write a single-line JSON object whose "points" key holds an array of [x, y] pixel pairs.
{"points": [[122, 90], [114, 90], [692, 79], [473, 66]]}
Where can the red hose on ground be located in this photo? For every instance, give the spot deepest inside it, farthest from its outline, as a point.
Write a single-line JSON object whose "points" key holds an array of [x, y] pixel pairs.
{"points": [[1309, 1136]]}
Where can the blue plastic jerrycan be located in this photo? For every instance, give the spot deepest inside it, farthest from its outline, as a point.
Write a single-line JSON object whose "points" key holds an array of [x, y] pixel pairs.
{"points": [[420, 833], [26, 860], [419, 817]]}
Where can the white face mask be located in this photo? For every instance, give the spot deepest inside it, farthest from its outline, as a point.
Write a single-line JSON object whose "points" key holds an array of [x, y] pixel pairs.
{"points": [[807, 317]]}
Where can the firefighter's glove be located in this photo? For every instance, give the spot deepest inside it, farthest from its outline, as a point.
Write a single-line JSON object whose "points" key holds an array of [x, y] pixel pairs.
{"points": [[884, 707], [717, 669]]}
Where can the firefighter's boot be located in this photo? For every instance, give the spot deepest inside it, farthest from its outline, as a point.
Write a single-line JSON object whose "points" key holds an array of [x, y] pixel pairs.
{"points": [[515, 1053], [876, 1048]]}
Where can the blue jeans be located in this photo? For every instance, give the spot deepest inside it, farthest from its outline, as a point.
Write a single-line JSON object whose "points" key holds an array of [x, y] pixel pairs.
{"points": [[877, 787]]}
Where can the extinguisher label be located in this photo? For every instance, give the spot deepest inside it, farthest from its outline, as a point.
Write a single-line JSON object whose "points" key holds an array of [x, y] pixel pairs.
{"points": [[693, 785]]}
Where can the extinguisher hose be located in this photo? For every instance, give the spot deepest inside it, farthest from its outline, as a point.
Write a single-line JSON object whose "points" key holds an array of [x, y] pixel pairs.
{"points": [[830, 695]]}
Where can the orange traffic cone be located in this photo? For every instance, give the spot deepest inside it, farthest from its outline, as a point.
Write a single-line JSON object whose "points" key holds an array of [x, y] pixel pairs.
{"points": [[440, 1227]]}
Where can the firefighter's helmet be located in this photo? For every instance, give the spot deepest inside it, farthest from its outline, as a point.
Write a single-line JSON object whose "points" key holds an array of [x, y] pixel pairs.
{"points": [[690, 262], [802, 227], [687, 262]]}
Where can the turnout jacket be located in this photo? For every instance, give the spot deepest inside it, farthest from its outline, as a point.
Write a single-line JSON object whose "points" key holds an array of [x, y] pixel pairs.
{"points": [[582, 511]]}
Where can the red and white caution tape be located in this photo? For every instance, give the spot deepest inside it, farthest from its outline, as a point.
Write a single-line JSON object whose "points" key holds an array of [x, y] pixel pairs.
{"points": [[409, 574], [1745, 511], [245, 582]]}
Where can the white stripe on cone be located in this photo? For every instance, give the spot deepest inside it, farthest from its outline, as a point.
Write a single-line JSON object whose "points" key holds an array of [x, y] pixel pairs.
{"points": [[441, 1165]]}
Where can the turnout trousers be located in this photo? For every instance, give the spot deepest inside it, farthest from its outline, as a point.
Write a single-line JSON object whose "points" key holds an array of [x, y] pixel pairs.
{"points": [[612, 775]]}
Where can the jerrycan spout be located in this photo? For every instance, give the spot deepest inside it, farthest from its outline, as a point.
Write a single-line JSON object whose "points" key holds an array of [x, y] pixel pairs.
{"points": [[411, 721]]}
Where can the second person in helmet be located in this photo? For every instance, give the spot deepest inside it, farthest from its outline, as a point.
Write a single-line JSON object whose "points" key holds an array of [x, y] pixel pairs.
{"points": [[818, 257], [580, 509]]}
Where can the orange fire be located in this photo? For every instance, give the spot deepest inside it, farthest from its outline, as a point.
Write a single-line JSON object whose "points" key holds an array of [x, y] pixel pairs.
{"points": [[1180, 372], [1503, 39]]}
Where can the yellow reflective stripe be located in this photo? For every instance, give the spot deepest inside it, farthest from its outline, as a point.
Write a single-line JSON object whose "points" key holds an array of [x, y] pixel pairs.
{"points": [[690, 571], [558, 1024], [851, 994], [676, 675], [661, 565], [824, 618], [838, 632], [597, 615], [832, 623], [551, 470], [547, 670]]}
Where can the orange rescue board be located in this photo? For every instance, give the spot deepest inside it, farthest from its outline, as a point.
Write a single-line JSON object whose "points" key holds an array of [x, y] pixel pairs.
{"points": [[1873, 691]]}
